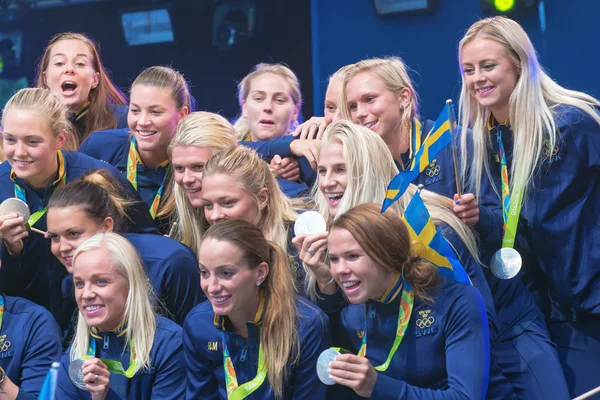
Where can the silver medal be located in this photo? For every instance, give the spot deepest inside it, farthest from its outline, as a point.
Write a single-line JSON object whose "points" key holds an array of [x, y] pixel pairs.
{"points": [[14, 205], [308, 223], [76, 373], [326, 357], [506, 263]]}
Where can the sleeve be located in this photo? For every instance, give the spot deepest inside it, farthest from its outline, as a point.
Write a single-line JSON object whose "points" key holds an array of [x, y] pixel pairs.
{"points": [[201, 382], [307, 174], [490, 222], [316, 338], [467, 356], [87, 147], [181, 288], [269, 148], [170, 376], [586, 134], [43, 348]]}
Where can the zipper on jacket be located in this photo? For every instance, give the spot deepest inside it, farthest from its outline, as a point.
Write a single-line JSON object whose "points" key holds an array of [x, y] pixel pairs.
{"points": [[105, 346], [243, 355]]}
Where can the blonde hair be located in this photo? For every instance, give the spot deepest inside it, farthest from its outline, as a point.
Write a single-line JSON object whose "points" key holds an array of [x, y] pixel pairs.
{"points": [[242, 130], [531, 108], [139, 316], [370, 168], [166, 77], [100, 115], [49, 107], [279, 333], [245, 166], [197, 129], [394, 74]]}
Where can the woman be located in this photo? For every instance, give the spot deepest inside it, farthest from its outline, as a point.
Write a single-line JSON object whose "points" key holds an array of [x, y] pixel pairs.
{"points": [[237, 184], [160, 97], [270, 102], [98, 203], [548, 135], [29, 344], [394, 294], [197, 136], [253, 318], [116, 324], [72, 69], [35, 127]]}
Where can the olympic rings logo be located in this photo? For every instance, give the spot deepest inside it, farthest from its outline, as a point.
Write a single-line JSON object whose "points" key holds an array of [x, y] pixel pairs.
{"points": [[5, 346], [425, 322], [432, 171]]}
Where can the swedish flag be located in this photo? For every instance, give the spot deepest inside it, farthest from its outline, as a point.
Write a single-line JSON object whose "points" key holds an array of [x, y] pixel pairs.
{"points": [[438, 138], [432, 245]]}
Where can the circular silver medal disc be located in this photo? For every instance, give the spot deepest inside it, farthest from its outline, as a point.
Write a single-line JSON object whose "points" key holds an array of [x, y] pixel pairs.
{"points": [[14, 205], [309, 222], [506, 263], [76, 373], [323, 362]]}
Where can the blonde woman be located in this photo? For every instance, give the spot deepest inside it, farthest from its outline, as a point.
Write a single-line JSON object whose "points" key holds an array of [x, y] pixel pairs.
{"points": [[255, 326], [549, 136], [270, 102], [197, 137], [116, 325]]}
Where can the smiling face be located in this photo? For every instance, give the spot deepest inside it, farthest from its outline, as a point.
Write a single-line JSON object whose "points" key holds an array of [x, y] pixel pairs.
{"points": [[229, 284], [355, 272], [333, 175], [373, 105], [101, 289], [489, 75], [225, 197], [188, 166], [68, 227], [30, 147], [70, 72], [269, 107]]}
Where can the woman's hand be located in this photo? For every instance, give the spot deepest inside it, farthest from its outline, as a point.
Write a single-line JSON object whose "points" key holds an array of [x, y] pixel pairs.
{"points": [[97, 378], [12, 231], [306, 148], [355, 372], [285, 168], [466, 208], [311, 129], [311, 251]]}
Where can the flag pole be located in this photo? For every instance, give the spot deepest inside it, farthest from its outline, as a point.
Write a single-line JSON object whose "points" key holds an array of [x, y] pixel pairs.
{"points": [[452, 120]]}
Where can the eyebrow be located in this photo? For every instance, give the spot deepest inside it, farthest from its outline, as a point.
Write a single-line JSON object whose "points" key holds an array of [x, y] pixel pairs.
{"points": [[77, 55], [152, 106], [27, 136]]}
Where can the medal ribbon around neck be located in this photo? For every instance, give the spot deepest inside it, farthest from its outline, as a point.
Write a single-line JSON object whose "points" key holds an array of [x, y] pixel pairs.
{"points": [[1, 311], [116, 366], [511, 204], [404, 313], [415, 141], [133, 159], [22, 195]]}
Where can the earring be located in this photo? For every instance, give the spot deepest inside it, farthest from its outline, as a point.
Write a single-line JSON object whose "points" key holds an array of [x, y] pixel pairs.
{"points": [[258, 283]]}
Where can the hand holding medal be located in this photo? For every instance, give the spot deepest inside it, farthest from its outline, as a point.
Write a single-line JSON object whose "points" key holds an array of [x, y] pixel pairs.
{"points": [[91, 375]]}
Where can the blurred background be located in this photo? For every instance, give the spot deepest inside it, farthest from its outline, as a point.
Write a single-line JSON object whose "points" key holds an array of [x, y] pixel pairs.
{"points": [[214, 43]]}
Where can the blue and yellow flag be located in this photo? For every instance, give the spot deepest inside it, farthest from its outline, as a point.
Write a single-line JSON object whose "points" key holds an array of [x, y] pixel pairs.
{"points": [[432, 245], [49, 387], [438, 138]]}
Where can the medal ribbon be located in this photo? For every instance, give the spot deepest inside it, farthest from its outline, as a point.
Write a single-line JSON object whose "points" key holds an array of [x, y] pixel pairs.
{"points": [[133, 159], [22, 195], [415, 141], [112, 365], [1, 311], [404, 312], [234, 391], [511, 205]]}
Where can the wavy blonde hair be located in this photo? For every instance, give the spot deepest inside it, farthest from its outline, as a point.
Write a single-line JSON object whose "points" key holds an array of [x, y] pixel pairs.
{"points": [[370, 168], [531, 108], [242, 130], [246, 167], [197, 129], [138, 315], [279, 333]]}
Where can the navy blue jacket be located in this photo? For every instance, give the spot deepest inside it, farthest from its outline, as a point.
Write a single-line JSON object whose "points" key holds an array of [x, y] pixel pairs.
{"points": [[29, 344], [270, 148], [445, 353], [165, 379], [172, 269], [561, 217], [204, 355], [35, 273]]}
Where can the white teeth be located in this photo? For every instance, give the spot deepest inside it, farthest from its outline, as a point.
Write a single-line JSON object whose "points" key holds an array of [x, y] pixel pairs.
{"points": [[192, 190], [219, 299], [92, 308], [370, 124], [349, 284], [484, 90], [23, 162], [146, 133], [335, 196]]}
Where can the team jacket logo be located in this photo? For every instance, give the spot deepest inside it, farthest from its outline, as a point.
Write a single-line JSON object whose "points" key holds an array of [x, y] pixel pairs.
{"points": [[4, 347], [552, 154], [425, 324], [433, 173], [213, 346], [360, 334]]}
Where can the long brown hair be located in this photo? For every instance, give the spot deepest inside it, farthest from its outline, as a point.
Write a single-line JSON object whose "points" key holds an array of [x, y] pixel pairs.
{"points": [[100, 115], [280, 340], [385, 239]]}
